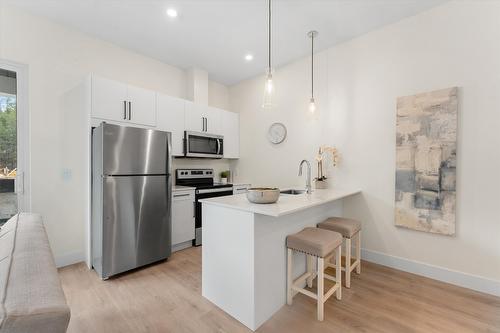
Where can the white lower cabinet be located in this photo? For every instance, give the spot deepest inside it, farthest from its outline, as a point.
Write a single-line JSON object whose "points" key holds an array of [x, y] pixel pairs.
{"points": [[183, 226]]}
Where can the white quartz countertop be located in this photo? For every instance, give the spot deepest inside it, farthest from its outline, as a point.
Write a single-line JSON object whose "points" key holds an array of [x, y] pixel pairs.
{"points": [[287, 204]]}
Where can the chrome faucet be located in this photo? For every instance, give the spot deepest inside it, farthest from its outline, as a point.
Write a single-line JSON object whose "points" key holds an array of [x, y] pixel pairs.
{"points": [[308, 176]]}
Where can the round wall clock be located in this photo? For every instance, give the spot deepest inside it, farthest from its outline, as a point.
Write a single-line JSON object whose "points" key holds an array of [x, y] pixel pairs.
{"points": [[276, 133]]}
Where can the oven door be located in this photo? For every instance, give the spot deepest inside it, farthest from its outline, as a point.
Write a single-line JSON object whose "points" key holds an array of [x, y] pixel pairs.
{"points": [[203, 145], [204, 194]]}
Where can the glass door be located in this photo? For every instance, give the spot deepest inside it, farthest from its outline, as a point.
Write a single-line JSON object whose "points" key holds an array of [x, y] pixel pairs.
{"points": [[8, 145]]}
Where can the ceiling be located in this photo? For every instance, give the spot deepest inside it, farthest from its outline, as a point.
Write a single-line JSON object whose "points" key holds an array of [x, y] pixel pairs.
{"points": [[216, 34]]}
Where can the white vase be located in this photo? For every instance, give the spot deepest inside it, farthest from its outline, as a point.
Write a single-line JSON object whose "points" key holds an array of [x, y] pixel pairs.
{"points": [[223, 181], [321, 184]]}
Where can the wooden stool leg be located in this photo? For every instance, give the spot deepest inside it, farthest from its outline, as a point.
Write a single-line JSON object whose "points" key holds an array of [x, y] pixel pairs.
{"points": [[358, 252], [289, 278], [321, 282], [338, 273], [309, 260], [348, 262]]}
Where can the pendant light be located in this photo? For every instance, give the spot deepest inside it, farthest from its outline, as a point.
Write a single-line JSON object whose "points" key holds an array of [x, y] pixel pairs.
{"points": [[269, 84], [312, 105]]}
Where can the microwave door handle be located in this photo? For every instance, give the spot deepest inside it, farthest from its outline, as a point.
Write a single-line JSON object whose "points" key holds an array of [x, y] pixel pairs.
{"points": [[218, 146]]}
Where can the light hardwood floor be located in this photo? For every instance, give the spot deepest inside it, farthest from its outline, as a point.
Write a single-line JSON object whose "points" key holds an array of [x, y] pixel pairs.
{"points": [[166, 297]]}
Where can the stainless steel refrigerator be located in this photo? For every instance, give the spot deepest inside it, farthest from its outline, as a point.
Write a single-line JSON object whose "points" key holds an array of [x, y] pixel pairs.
{"points": [[131, 198]]}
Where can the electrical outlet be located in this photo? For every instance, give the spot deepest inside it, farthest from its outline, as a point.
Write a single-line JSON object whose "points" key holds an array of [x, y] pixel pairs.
{"points": [[67, 174]]}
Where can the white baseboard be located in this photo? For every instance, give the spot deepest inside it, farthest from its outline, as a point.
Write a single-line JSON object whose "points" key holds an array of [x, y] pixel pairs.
{"points": [[69, 259], [461, 279], [182, 246]]}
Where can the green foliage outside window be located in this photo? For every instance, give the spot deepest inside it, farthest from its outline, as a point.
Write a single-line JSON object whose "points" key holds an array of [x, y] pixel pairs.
{"points": [[8, 135]]}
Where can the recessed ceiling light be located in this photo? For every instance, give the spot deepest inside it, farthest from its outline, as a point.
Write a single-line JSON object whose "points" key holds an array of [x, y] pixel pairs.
{"points": [[249, 57], [172, 12]]}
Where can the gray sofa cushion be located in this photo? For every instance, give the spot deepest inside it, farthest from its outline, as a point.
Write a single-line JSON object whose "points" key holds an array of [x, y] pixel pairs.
{"points": [[30, 290]]}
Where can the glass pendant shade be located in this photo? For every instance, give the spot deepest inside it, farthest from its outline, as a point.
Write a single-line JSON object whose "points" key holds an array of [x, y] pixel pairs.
{"points": [[312, 106], [269, 88]]}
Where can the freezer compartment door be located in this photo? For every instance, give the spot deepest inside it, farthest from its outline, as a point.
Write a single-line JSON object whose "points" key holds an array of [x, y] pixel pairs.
{"points": [[136, 222], [134, 151]]}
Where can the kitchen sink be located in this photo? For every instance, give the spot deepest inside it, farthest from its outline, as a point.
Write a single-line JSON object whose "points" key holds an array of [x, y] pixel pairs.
{"points": [[293, 192]]}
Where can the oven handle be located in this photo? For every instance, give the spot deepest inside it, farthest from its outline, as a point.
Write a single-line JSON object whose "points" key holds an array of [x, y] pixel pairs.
{"points": [[214, 190]]}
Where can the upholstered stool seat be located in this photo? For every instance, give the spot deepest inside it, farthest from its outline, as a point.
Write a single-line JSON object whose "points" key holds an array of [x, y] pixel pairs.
{"points": [[320, 244], [314, 241], [350, 229], [346, 227]]}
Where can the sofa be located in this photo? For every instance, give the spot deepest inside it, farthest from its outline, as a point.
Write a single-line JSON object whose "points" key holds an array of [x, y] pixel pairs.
{"points": [[31, 295]]}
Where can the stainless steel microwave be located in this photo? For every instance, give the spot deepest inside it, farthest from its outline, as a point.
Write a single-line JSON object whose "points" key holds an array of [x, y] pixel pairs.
{"points": [[198, 144]]}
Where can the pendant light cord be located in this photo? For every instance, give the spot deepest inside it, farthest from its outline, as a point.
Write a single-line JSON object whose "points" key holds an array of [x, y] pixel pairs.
{"points": [[269, 37], [312, 65]]}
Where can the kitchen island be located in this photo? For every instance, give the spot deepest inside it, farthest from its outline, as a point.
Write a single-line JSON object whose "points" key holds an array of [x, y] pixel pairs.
{"points": [[244, 252]]}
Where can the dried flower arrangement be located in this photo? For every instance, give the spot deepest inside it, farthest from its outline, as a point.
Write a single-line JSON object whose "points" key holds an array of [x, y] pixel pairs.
{"points": [[323, 152]]}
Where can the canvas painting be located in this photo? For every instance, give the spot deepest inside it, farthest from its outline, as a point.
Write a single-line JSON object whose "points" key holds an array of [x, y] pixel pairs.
{"points": [[426, 161]]}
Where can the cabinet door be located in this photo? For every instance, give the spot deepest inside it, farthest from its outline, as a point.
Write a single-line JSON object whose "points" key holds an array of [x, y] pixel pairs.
{"points": [[183, 226], [170, 118], [142, 107], [230, 128], [213, 120], [108, 99], [194, 116]]}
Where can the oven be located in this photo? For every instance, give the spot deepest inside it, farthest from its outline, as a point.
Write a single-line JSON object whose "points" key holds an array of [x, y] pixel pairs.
{"points": [[198, 144], [205, 194], [203, 181]]}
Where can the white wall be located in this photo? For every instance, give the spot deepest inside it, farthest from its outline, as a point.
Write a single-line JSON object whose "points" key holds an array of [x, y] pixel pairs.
{"points": [[58, 59], [218, 95], [456, 44]]}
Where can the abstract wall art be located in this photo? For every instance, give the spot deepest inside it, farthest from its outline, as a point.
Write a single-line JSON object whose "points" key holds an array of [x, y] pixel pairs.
{"points": [[426, 161]]}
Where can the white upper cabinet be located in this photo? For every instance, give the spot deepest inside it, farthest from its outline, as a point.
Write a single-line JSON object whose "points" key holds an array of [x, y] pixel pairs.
{"points": [[213, 120], [170, 118], [109, 99], [194, 117], [202, 118], [230, 129], [116, 101], [124, 104], [142, 106]]}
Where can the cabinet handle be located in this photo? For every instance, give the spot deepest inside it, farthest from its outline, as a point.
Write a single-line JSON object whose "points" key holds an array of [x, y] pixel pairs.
{"points": [[206, 124], [203, 124], [181, 195], [194, 209], [129, 110], [125, 110]]}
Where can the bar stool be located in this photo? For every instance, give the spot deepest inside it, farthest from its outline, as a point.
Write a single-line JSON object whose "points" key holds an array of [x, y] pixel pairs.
{"points": [[349, 229], [322, 245]]}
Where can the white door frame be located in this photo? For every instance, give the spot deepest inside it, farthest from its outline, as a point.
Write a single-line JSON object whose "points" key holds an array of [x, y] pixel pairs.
{"points": [[23, 180]]}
